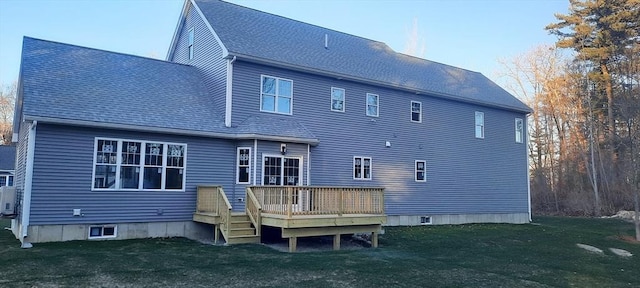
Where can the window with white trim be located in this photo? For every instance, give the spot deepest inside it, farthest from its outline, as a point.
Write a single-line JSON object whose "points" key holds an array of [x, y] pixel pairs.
{"points": [[337, 99], [421, 171], [276, 95], [416, 111], [191, 37], [138, 165], [102, 232], [372, 105], [479, 124], [244, 165], [361, 168], [6, 180], [519, 130]]}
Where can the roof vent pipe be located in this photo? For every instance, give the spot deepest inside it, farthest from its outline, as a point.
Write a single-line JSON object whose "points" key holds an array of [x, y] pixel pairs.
{"points": [[326, 41]]}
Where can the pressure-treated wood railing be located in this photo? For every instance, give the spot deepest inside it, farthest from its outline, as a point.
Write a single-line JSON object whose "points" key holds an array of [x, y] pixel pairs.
{"points": [[211, 199], [315, 200], [254, 210]]}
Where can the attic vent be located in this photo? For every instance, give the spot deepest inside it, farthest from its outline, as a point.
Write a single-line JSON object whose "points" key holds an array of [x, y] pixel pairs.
{"points": [[326, 41]]}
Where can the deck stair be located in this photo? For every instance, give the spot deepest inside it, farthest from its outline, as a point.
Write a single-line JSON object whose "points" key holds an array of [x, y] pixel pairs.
{"points": [[241, 230]]}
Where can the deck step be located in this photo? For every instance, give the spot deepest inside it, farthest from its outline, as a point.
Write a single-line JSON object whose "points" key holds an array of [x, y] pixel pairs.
{"points": [[240, 224], [242, 232], [243, 239]]}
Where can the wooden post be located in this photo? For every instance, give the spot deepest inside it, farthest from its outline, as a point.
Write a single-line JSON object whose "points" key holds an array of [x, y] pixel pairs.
{"points": [[336, 242], [374, 239], [216, 233], [293, 242], [341, 205], [289, 201]]}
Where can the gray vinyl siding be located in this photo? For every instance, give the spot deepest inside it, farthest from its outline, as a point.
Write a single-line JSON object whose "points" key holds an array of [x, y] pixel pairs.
{"points": [[63, 166], [273, 148], [464, 174], [207, 57]]}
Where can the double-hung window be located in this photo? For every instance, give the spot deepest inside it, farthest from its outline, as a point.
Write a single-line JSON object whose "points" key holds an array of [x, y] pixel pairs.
{"points": [[416, 111], [244, 165], [276, 95], [138, 165], [420, 171], [372, 105], [337, 99], [191, 37], [6, 180], [519, 130], [479, 124], [361, 168]]}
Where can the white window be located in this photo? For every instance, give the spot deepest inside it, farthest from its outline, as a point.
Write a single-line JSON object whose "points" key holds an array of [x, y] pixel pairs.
{"points": [[361, 168], [372, 105], [479, 124], [281, 170], [138, 165], [276, 95], [421, 171], [6, 180], [102, 232], [416, 111], [244, 165], [191, 36], [337, 99], [519, 130]]}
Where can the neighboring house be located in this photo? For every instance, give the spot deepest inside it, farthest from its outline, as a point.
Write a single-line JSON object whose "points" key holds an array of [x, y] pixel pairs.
{"points": [[7, 164], [114, 145]]}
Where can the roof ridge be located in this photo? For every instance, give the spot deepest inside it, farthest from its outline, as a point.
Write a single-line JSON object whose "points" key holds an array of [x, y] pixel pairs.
{"points": [[300, 21], [102, 50]]}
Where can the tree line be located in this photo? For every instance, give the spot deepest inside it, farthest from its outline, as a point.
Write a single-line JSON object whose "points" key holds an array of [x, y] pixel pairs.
{"points": [[584, 133]]}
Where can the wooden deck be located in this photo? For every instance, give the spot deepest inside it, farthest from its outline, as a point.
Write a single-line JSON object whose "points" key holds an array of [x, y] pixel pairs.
{"points": [[300, 211]]}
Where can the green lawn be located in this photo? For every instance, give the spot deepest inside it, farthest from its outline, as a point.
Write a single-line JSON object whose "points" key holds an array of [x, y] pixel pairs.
{"points": [[543, 254]]}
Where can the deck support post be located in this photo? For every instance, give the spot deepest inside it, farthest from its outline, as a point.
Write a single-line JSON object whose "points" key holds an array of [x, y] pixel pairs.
{"points": [[216, 233], [336, 242], [374, 239], [293, 241]]}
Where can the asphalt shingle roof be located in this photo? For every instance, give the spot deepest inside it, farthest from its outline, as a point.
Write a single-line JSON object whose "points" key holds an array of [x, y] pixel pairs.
{"points": [[257, 34], [7, 157], [63, 81], [71, 82]]}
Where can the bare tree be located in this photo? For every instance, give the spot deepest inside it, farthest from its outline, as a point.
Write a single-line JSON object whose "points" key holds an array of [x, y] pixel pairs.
{"points": [[7, 103]]}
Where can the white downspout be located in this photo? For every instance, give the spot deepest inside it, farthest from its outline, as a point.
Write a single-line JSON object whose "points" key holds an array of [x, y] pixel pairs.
{"points": [[28, 178], [526, 135], [229, 92]]}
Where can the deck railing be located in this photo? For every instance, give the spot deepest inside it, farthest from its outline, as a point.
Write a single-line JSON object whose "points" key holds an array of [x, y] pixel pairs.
{"points": [[211, 199], [315, 200], [254, 210]]}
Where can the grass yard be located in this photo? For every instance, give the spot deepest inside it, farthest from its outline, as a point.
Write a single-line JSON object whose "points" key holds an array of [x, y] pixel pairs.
{"points": [[543, 254]]}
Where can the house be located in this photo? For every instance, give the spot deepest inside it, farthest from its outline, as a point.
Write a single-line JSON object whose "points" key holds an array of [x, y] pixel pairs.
{"points": [[259, 120], [7, 164]]}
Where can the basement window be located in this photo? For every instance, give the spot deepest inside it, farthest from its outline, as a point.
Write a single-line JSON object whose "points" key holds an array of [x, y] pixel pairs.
{"points": [[425, 220], [103, 232]]}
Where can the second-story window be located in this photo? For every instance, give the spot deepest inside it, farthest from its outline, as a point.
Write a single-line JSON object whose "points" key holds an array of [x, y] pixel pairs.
{"points": [[479, 124], [416, 111], [372, 105], [276, 95], [519, 130], [191, 36], [337, 99]]}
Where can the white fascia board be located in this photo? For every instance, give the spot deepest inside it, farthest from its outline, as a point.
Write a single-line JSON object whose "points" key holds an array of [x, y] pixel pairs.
{"points": [[234, 136], [28, 181], [174, 39]]}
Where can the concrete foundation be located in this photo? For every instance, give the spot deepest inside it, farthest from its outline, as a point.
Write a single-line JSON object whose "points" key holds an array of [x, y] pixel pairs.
{"points": [[57, 233], [414, 220]]}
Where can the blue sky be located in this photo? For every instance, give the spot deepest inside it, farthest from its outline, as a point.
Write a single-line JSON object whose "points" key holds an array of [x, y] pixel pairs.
{"points": [[464, 33]]}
